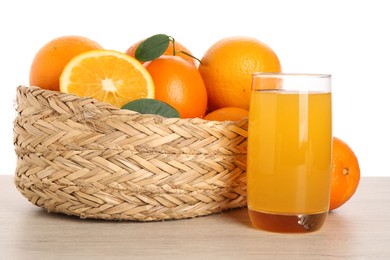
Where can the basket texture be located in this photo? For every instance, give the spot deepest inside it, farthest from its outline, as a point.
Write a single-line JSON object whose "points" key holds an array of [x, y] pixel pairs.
{"points": [[82, 157]]}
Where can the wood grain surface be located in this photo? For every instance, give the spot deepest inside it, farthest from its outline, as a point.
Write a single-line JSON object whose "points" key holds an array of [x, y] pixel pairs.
{"points": [[358, 230]]}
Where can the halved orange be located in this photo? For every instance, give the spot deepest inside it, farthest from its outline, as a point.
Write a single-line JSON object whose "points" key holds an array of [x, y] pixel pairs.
{"points": [[108, 76]]}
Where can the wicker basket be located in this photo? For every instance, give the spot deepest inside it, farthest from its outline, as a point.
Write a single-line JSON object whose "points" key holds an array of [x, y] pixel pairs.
{"points": [[82, 157]]}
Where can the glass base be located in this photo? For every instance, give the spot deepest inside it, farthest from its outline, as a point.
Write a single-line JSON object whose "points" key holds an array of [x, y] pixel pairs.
{"points": [[287, 223]]}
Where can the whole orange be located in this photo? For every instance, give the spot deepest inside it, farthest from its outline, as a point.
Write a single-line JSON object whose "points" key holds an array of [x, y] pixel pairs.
{"points": [[345, 174], [227, 68], [179, 84], [227, 114], [51, 59], [179, 49]]}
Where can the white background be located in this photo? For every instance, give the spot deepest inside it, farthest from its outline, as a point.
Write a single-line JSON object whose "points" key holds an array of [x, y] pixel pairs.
{"points": [[348, 39]]}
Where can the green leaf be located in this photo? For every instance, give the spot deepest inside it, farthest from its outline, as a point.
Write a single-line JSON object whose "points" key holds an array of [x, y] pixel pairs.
{"points": [[152, 106], [152, 48]]}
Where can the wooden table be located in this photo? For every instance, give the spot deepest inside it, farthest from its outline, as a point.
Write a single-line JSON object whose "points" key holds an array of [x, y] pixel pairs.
{"points": [[358, 230]]}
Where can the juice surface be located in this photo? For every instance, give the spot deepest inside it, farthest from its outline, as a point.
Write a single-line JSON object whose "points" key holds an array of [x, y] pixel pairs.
{"points": [[289, 152]]}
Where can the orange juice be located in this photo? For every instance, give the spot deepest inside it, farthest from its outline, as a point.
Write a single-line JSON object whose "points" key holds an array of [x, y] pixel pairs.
{"points": [[289, 159]]}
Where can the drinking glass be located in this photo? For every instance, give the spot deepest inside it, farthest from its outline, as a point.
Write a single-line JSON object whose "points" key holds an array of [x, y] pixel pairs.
{"points": [[289, 151]]}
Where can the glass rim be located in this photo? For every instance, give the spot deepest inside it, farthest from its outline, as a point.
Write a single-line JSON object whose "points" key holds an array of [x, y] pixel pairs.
{"points": [[284, 74]]}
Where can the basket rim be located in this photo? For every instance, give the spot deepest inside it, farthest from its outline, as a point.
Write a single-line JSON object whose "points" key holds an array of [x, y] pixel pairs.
{"points": [[27, 89]]}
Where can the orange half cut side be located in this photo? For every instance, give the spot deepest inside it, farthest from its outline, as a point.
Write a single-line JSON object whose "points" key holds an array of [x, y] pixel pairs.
{"points": [[108, 76]]}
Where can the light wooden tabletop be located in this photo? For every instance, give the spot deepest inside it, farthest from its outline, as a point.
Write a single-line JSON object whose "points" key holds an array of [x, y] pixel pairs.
{"points": [[358, 230]]}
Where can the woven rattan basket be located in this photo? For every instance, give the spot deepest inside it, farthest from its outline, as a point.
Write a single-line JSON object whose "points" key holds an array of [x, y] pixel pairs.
{"points": [[82, 157]]}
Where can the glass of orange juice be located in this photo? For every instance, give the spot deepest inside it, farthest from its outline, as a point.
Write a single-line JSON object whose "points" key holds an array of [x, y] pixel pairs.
{"points": [[289, 151]]}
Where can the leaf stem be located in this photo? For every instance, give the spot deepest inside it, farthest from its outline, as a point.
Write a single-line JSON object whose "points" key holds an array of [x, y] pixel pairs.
{"points": [[186, 53], [192, 56], [173, 45]]}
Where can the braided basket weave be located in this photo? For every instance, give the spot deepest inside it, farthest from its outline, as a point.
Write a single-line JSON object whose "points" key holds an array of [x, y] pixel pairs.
{"points": [[82, 157]]}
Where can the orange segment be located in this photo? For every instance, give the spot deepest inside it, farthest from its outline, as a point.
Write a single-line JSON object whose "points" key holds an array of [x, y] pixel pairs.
{"points": [[108, 76]]}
